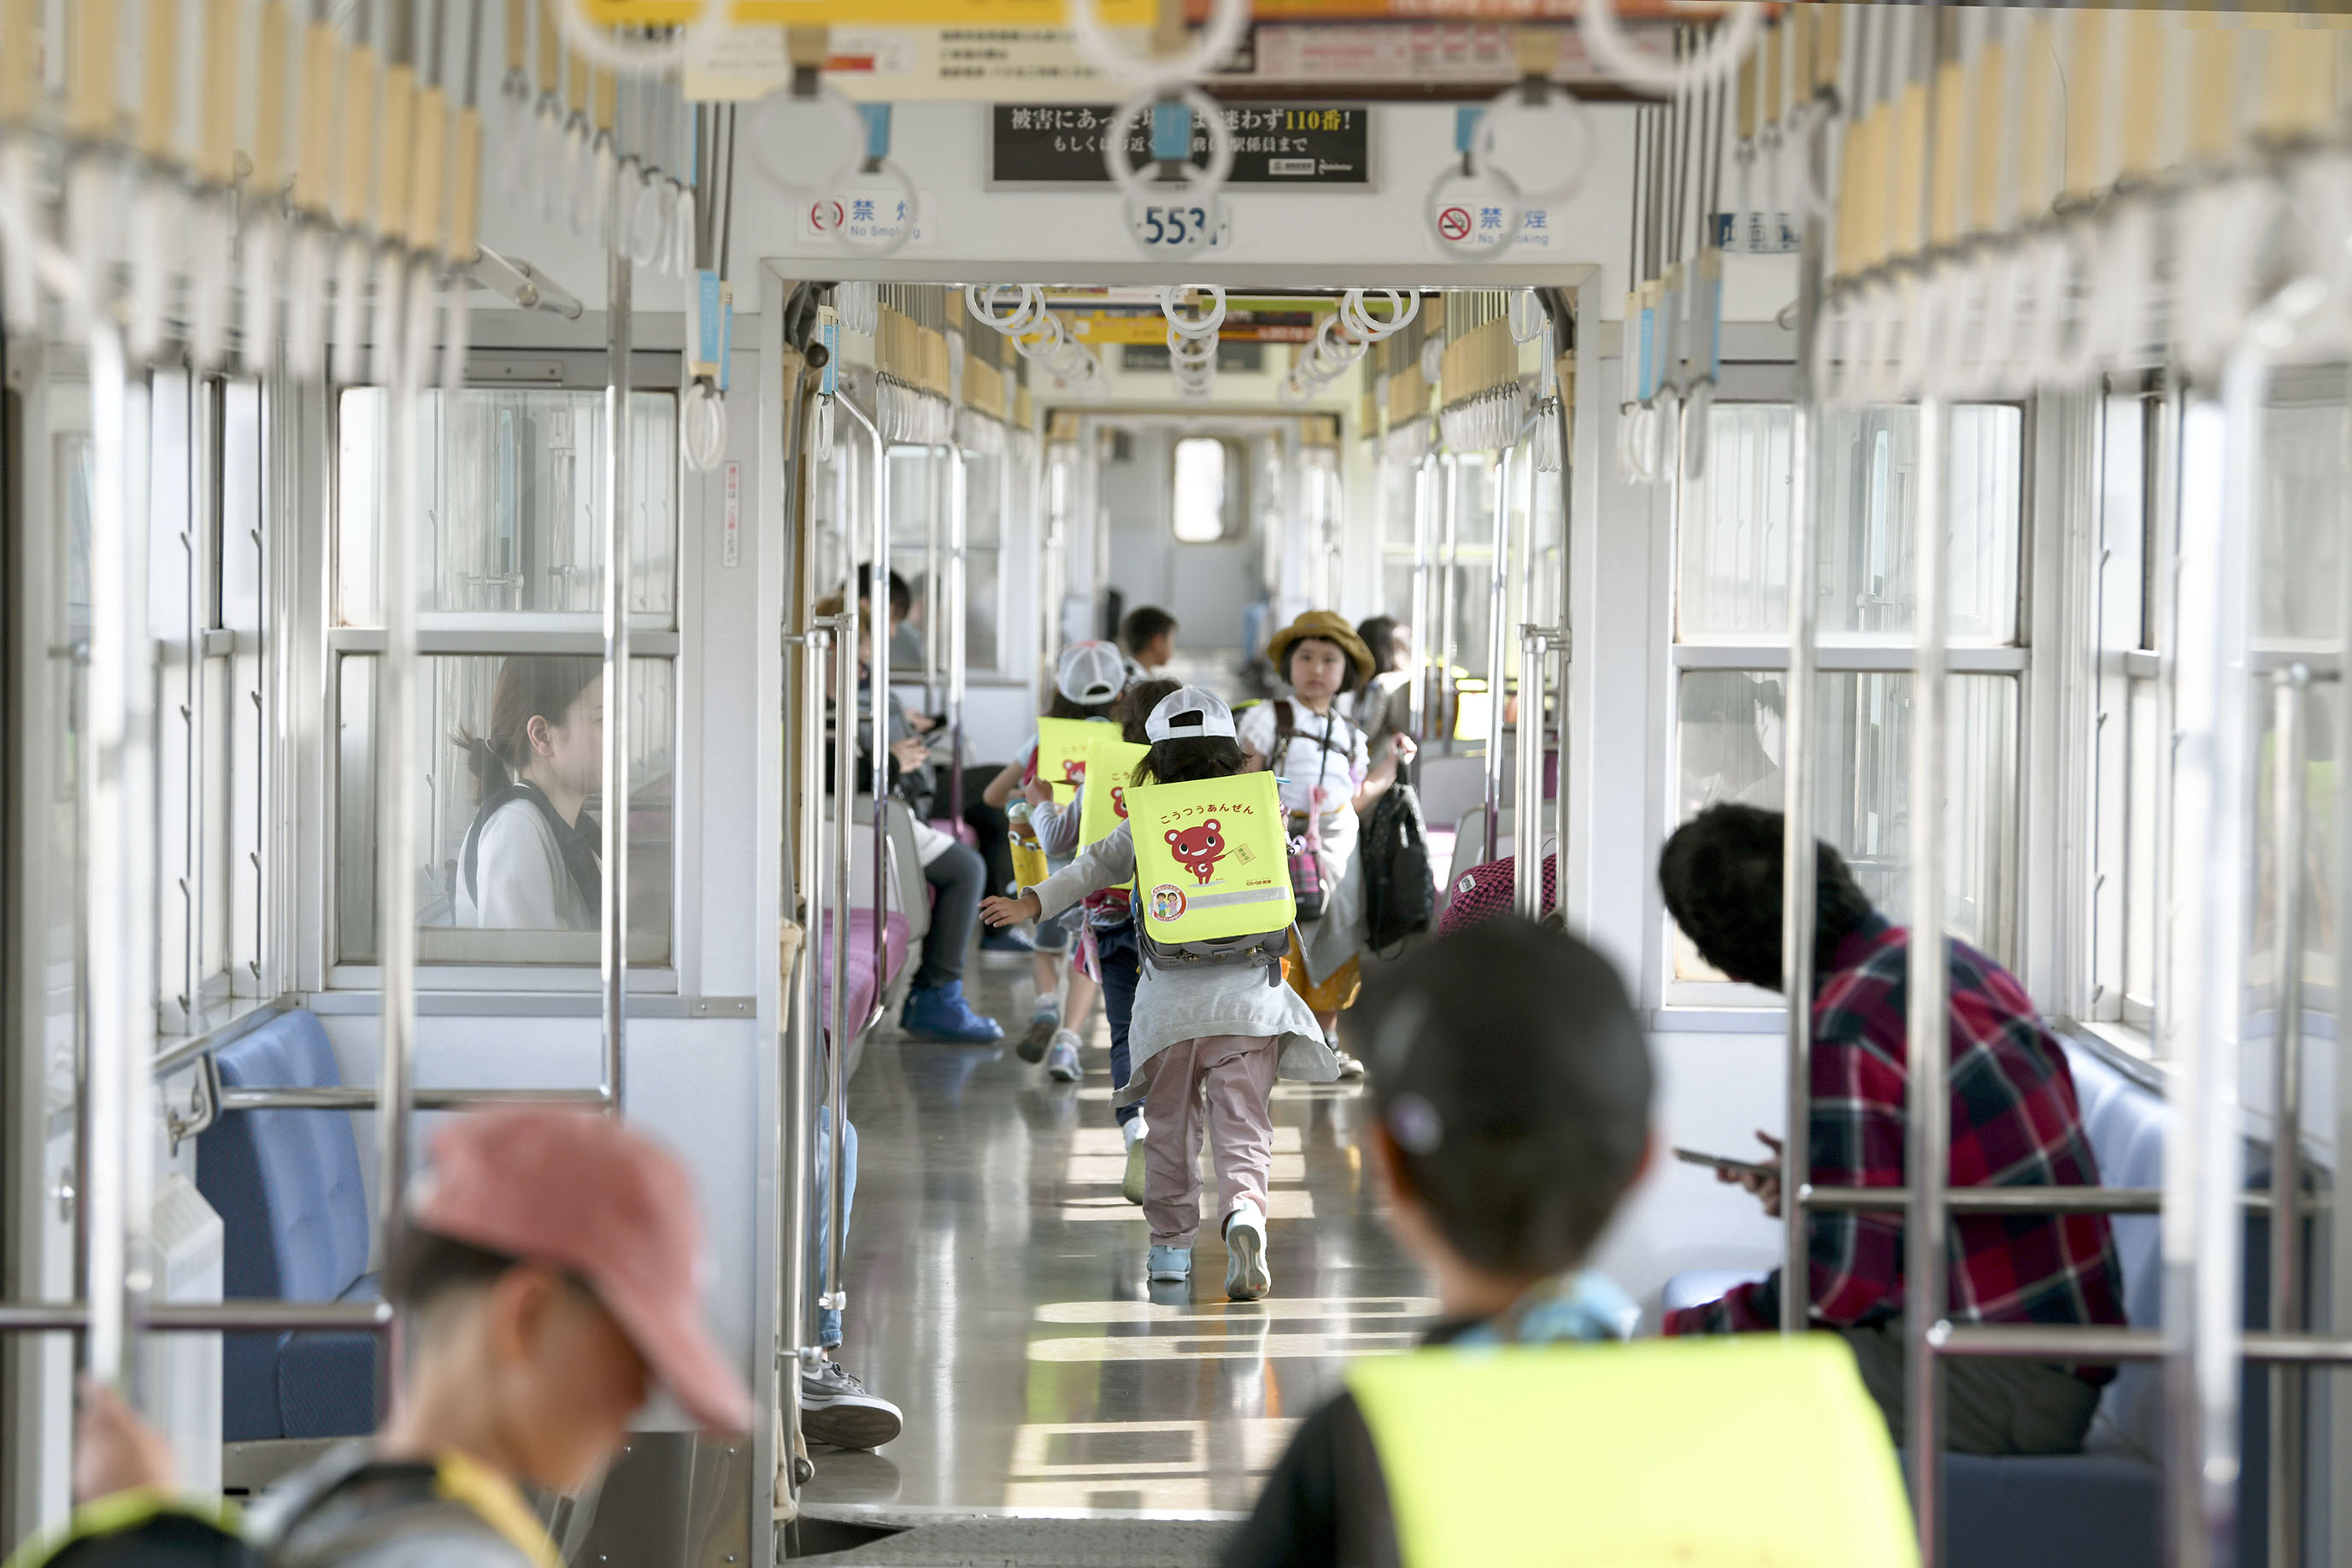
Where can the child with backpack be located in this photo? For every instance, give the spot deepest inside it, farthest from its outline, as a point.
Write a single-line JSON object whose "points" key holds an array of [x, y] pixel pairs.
{"points": [[1203, 845], [1107, 949], [1088, 680]]}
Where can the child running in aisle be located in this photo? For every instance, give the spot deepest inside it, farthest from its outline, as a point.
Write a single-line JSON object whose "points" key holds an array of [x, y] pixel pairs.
{"points": [[1202, 1021], [1106, 947], [1088, 680]]}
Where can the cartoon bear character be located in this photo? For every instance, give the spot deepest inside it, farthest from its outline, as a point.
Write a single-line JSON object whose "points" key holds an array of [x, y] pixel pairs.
{"points": [[1118, 801], [1199, 848], [1074, 770]]}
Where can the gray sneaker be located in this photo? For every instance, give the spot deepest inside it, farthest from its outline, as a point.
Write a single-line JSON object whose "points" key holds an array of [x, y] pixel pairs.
{"points": [[1062, 1059], [836, 1410], [1043, 1024]]}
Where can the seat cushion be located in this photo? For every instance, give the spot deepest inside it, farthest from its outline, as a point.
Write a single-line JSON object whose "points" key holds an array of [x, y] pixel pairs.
{"points": [[863, 986], [326, 1385], [2060, 1511]]}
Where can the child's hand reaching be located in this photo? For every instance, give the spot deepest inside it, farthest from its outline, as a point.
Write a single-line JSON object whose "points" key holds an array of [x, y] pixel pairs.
{"points": [[1011, 911], [1036, 791]]}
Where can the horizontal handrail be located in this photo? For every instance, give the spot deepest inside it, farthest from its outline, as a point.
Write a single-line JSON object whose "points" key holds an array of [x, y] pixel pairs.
{"points": [[2077, 1342], [2019, 1199], [361, 1099], [179, 1053], [207, 1317]]}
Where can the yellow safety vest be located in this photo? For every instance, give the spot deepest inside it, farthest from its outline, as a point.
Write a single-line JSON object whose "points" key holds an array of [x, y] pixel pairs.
{"points": [[1061, 746], [1110, 763], [1757, 1450], [1210, 859]]}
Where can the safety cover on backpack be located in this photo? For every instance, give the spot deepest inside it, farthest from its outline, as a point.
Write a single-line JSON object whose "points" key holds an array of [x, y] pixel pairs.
{"points": [[1399, 895], [1212, 876], [1110, 763], [1062, 748]]}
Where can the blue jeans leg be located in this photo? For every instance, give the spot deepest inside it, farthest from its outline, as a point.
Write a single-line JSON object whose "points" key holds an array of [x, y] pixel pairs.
{"points": [[828, 1319], [1121, 968]]}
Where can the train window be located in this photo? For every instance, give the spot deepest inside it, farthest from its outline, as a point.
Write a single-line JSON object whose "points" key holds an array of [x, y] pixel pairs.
{"points": [[1731, 632], [921, 481], [460, 700], [1208, 482], [513, 483], [513, 593], [204, 611]]}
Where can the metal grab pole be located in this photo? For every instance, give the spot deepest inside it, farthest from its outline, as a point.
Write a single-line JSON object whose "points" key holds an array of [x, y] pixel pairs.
{"points": [[845, 790], [1798, 870], [1527, 839], [935, 477], [877, 600], [120, 865], [1498, 643], [1418, 699], [1449, 703], [796, 1115], [2289, 768], [959, 523], [615, 879], [1928, 1028]]}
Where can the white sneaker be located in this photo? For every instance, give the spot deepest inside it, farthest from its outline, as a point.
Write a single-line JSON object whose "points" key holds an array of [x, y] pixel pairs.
{"points": [[836, 1410], [1171, 1262], [1062, 1059], [1246, 1278], [1130, 1187], [1351, 1070]]}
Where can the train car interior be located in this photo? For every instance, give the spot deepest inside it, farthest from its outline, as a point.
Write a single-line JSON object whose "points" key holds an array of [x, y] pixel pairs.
{"points": [[551, 550]]}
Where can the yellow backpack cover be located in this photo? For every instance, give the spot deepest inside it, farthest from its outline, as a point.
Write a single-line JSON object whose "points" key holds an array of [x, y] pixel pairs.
{"points": [[1211, 871], [1110, 763]]}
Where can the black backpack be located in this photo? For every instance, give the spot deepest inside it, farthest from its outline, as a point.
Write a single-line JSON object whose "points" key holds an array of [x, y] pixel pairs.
{"points": [[1400, 893]]}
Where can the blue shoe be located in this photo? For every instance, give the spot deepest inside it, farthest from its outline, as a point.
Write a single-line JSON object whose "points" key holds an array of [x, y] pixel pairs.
{"points": [[939, 1013], [1170, 1263], [1007, 940]]}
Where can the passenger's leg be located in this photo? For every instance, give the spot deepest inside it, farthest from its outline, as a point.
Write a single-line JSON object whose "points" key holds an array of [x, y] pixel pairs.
{"points": [[936, 1009], [1053, 941], [988, 823], [1990, 1406], [1240, 1071], [1062, 1064], [1172, 1155], [1120, 971], [836, 1409]]}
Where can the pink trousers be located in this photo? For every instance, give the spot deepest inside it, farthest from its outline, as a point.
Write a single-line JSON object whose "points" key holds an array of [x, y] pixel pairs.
{"points": [[1234, 1074]]}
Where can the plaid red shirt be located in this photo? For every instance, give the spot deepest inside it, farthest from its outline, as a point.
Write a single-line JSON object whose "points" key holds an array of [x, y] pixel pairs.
{"points": [[2015, 1123]]}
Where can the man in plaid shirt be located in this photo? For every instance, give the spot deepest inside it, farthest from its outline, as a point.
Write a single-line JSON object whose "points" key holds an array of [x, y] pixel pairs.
{"points": [[2015, 1123]]}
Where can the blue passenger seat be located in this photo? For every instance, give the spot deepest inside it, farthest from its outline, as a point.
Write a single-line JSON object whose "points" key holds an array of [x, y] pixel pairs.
{"points": [[294, 1214], [2103, 1507]]}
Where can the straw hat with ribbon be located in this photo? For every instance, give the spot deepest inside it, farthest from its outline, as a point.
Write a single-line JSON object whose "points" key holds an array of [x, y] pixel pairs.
{"points": [[1331, 628]]}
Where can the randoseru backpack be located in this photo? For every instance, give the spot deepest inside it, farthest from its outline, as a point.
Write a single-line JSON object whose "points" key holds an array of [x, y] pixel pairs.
{"points": [[1400, 893]]}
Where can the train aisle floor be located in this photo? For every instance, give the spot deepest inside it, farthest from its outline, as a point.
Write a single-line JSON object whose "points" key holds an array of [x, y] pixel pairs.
{"points": [[997, 1294]]}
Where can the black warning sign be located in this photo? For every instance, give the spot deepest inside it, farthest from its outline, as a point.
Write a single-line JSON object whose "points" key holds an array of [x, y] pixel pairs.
{"points": [[1274, 144]]}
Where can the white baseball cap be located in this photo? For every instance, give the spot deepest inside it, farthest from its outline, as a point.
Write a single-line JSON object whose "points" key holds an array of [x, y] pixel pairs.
{"points": [[1090, 672], [1189, 713]]}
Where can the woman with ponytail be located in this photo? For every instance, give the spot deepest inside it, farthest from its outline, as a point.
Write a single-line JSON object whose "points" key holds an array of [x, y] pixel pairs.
{"points": [[531, 858]]}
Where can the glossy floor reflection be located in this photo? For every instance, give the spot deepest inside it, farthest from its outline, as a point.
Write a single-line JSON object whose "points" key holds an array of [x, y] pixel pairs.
{"points": [[997, 1294]]}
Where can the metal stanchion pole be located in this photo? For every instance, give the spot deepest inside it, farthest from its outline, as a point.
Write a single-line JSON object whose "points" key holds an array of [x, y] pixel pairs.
{"points": [[958, 631], [1422, 529], [120, 862], [1927, 1028], [1448, 702], [2289, 768], [845, 791], [1498, 643], [1797, 888], [615, 879], [796, 1112]]}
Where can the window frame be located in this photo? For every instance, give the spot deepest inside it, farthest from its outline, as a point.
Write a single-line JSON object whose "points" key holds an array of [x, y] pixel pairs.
{"points": [[462, 635], [1724, 1003]]}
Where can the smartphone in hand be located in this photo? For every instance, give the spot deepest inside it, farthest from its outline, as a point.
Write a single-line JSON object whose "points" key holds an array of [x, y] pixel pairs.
{"points": [[1724, 1163]]}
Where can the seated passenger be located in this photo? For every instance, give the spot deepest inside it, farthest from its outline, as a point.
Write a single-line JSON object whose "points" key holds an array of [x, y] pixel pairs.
{"points": [[1511, 1087], [936, 1009], [2015, 1123], [531, 860], [1149, 635], [547, 1279]]}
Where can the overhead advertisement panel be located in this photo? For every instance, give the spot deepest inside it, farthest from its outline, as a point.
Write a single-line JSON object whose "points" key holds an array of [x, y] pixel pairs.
{"points": [[1307, 145]]}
